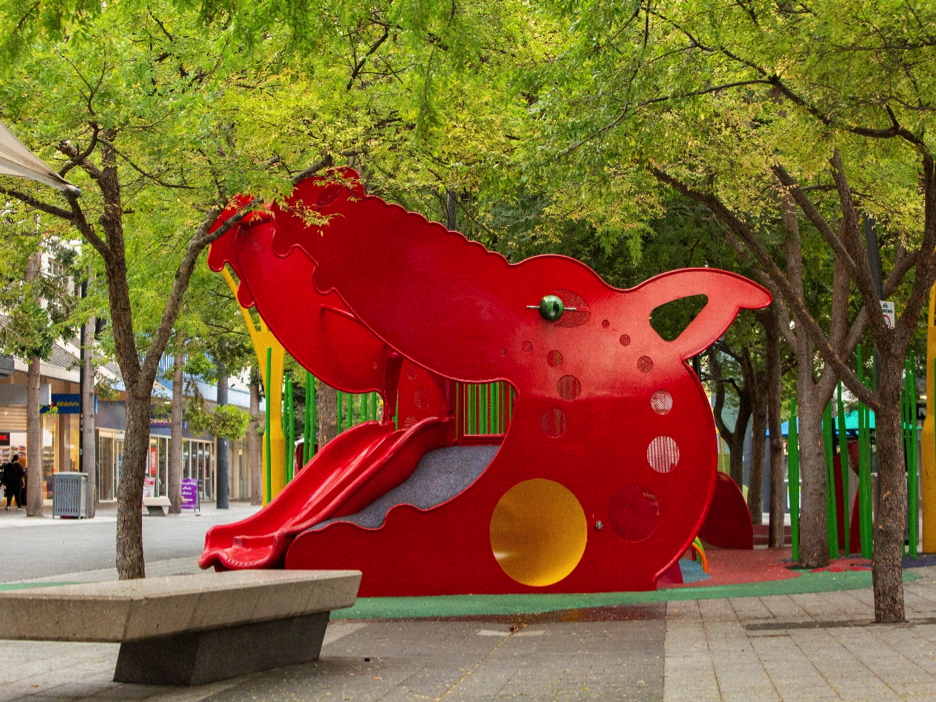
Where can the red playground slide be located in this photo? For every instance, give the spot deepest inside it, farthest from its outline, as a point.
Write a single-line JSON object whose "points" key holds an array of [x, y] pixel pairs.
{"points": [[352, 471]]}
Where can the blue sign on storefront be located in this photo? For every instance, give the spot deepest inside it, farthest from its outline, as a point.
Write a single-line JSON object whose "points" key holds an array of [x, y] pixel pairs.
{"points": [[65, 404]]}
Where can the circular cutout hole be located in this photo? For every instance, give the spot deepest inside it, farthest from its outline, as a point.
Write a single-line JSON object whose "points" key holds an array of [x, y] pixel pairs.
{"points": [[605, 323], [634, 513], [411, 371], [569, 387], [663, 454], [661, 402], [554, 423], [408, 422], [526, 347], [645, 364], [625, 340], [553, 359], [538, 532], [421, 398]]}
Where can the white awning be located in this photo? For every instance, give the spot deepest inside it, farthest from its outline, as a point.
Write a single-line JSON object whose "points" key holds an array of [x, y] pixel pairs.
{"points": [[16, 160]]}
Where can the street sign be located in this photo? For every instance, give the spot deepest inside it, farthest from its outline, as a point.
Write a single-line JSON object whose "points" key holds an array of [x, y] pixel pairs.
{"points": [[890, 313]]}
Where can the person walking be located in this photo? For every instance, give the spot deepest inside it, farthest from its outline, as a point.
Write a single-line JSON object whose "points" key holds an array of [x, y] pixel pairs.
{"points": [[13, 474]]}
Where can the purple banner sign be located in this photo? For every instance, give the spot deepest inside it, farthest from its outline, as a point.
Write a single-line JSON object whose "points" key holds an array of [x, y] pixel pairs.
{"points": [[189, 493]]}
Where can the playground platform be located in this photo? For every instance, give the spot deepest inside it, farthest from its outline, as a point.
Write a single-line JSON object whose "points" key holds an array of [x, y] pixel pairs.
{"points": [[722, 638]]}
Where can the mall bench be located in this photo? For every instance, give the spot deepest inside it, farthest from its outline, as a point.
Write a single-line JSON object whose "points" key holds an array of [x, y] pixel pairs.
{"points": [[156, 506], [189, 629]]}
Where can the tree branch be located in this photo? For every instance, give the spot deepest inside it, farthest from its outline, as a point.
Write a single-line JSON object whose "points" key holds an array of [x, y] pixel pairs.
{"points": [[79, 157], [80, 160], [796, 303], [819, 222], [38, 204]]}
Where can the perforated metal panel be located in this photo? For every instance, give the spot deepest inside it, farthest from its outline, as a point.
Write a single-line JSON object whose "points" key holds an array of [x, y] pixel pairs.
{"points": [[70, 497]]}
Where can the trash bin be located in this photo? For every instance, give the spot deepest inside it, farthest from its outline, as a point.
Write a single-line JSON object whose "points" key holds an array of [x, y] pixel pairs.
{"points": [[70, 496]]}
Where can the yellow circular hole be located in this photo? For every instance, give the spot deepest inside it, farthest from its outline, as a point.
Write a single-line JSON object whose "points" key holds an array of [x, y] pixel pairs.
{"points": [[538, 532]]}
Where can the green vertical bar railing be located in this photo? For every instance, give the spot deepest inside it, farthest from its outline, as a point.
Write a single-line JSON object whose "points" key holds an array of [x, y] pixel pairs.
{"points": [[483, 418], [339, 400], [831, 516], [396, 413], [843, 459], [793, 478], [291, 436], [266, 433], [373, 406]]}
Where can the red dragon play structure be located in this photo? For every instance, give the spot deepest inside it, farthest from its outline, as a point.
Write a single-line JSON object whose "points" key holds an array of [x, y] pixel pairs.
{"points": [[606, 469]]}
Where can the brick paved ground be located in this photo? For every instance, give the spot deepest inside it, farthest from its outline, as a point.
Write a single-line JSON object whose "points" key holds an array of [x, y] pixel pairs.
{"points": [[797, 647]]}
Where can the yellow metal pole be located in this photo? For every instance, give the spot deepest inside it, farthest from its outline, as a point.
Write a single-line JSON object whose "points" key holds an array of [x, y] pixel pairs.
{"points": [[262, 339], [928, 439]]}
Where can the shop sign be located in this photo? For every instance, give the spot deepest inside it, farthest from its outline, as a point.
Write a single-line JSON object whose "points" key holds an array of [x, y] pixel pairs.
{"points": [[189, 493], [64, 404], [4, 438], [152, 465]]}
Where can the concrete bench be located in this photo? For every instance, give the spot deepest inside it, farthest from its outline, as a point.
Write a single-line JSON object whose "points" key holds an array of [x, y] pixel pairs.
{"points": [[156, 506], [189, 629]]}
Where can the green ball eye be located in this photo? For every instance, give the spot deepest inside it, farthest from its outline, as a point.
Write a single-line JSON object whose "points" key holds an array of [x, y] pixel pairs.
{"points": [[551, 308]]}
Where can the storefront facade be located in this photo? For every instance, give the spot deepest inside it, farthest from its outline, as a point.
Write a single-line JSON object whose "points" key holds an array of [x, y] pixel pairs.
{"points": [[59, 428]]}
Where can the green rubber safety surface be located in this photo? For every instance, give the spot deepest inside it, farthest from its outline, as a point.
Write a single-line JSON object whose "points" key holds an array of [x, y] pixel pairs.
{"points": [[505, 605], [7, 587]]}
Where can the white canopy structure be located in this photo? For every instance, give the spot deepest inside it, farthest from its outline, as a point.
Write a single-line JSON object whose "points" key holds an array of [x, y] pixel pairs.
{"points": [[16, 160]]}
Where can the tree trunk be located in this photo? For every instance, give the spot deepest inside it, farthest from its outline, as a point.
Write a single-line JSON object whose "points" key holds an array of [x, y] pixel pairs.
{"points": [[327, 399], [736, 444], [130, 564], [814, 545], [33, 441], [756, 480], [254, 457], [88, 443], [774, 419], [892, 511], [224, 468], [33, 420], [175, 434]]}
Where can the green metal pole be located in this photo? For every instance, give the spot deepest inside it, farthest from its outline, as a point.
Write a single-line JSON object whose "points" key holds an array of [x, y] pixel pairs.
{"points": [[864, 469], [469, 409], [843, 459], [266, 434], [831, 516], [373, 406], [912, 457], [313, 416], [339, 398], [364, 406], [396, 412], [310, 422], [305, 422], [793, 478], [291, 450]]}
